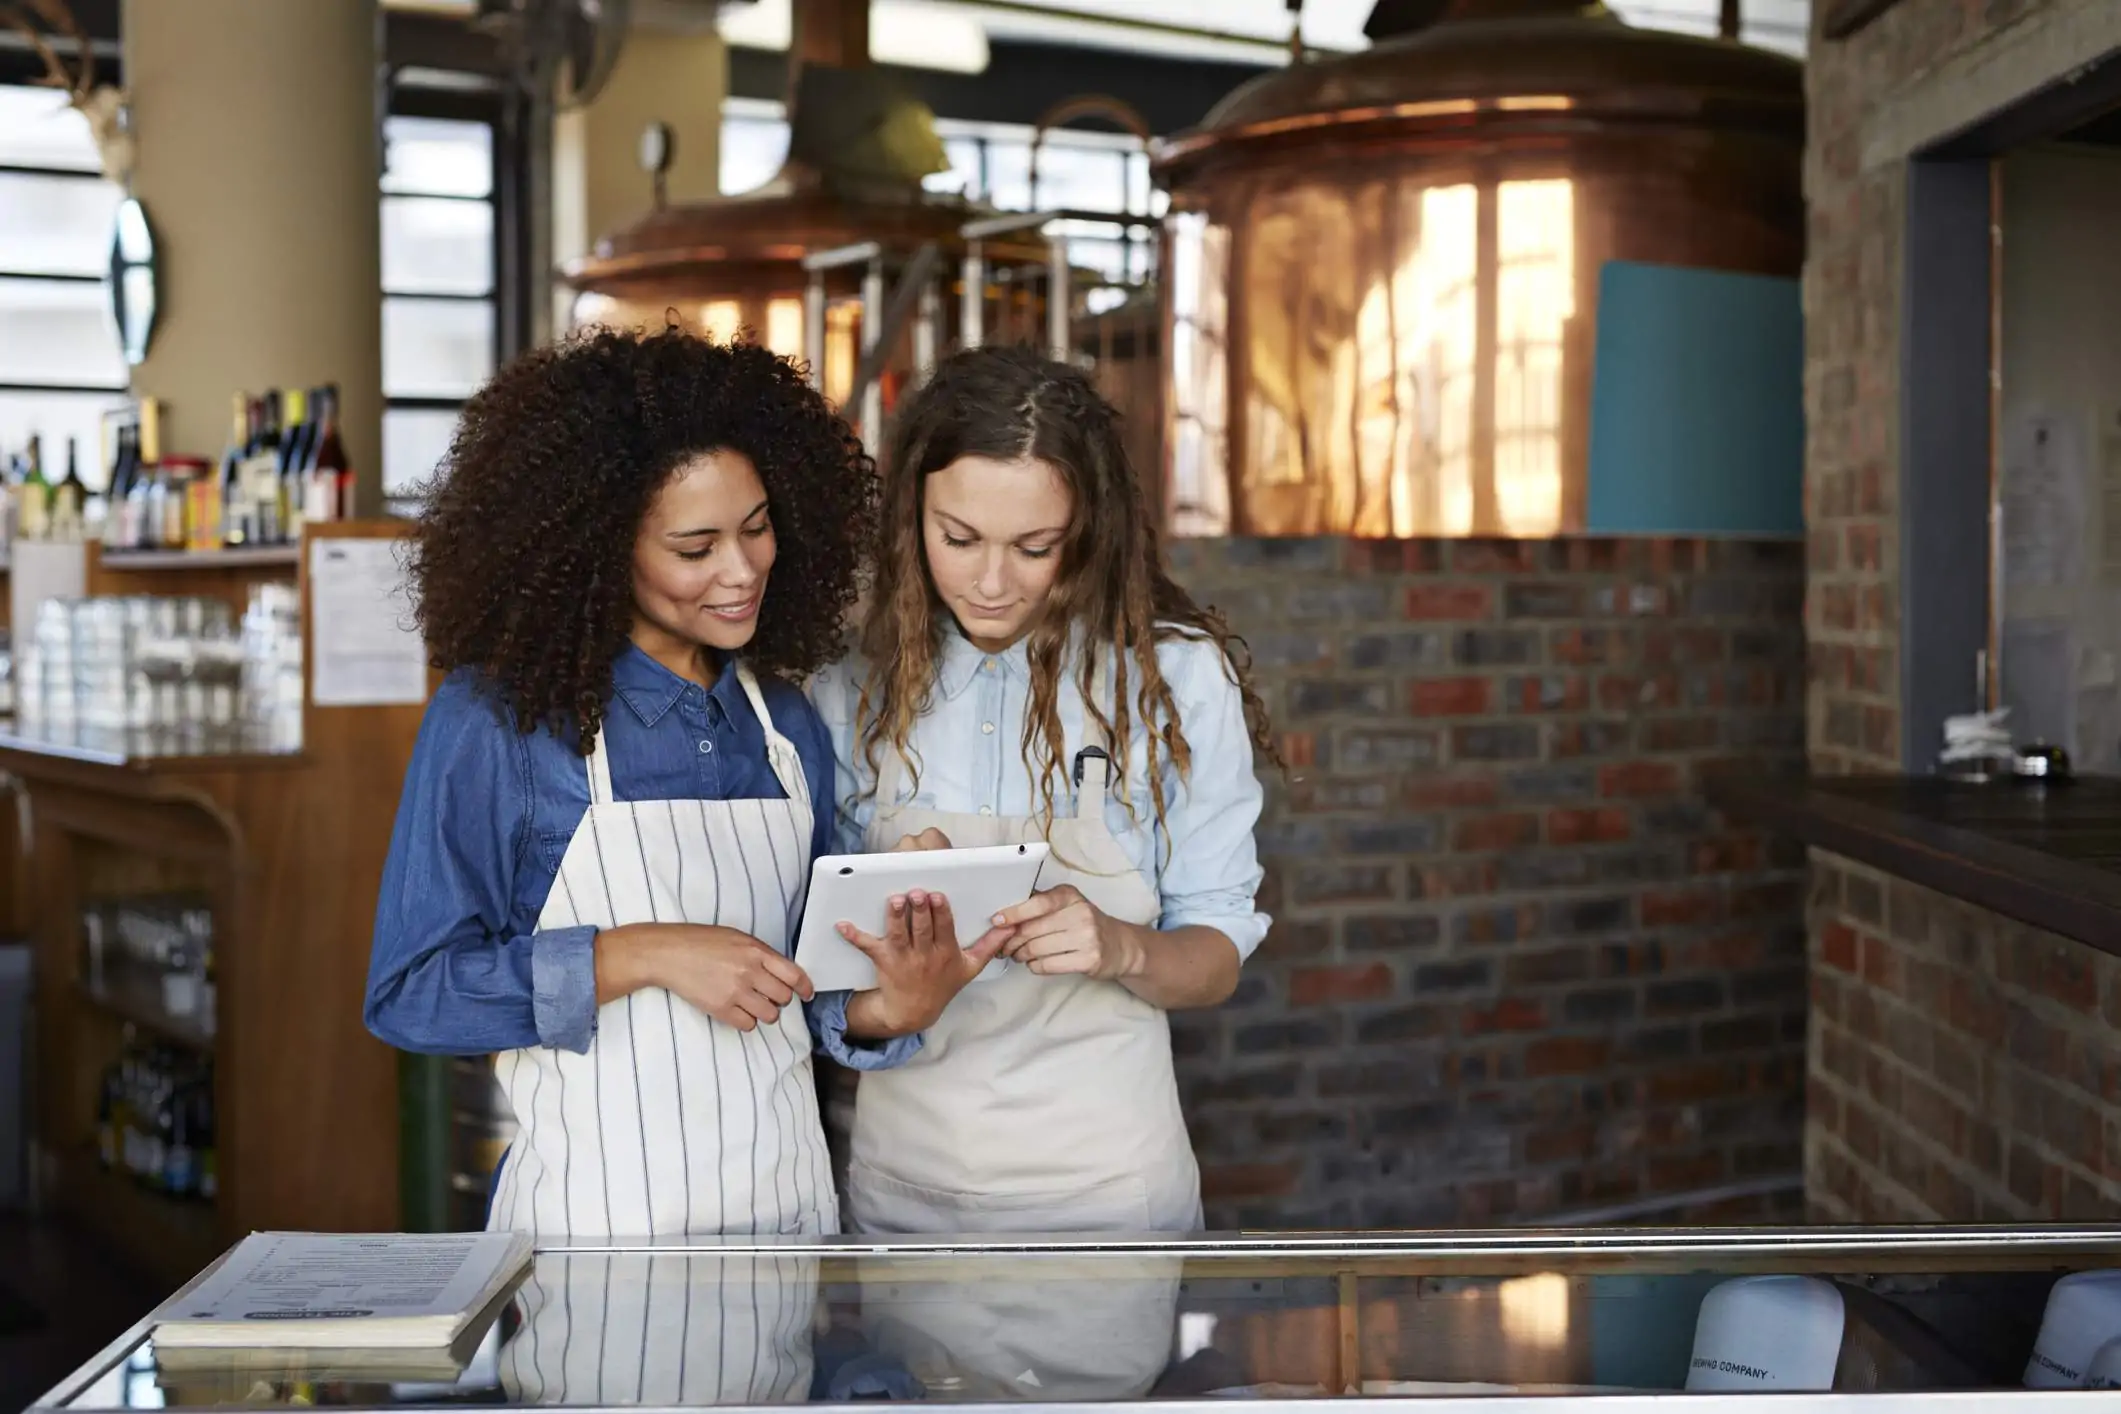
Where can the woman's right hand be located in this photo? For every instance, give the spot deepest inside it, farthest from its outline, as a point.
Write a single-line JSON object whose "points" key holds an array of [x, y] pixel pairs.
{"points": [[731, 976], [930, 838], [919, 966]]}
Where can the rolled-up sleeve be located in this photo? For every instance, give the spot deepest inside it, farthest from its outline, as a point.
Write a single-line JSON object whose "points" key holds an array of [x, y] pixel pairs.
{"points": [[448, 974], [1211, 874], [828, 1028]]}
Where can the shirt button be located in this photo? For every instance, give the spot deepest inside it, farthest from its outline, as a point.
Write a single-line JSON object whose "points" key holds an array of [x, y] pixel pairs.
{"points": [[986, 665], [986, 810], [706, 748], [987, 727]]}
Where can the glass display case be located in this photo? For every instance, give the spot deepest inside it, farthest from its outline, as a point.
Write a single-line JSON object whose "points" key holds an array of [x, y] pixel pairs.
{"points": [[1872, 1319]]}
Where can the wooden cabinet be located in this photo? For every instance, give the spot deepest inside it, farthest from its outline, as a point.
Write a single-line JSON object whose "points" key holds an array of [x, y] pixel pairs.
{"points": [[287, 848]]}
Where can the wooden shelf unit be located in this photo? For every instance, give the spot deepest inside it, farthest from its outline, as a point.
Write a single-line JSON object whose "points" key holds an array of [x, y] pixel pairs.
{"points": [[287, 849]]}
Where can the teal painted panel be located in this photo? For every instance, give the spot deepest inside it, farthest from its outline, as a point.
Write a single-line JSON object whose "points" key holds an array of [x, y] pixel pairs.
{"points": [[1697, 404]]}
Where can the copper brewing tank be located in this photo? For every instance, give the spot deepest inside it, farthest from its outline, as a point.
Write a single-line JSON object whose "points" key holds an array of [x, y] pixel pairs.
{"points": [[736, 262], [1381, 272]]}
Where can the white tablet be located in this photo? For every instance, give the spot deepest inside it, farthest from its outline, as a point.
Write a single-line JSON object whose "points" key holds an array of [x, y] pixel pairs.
{"points": [[855, 888]]}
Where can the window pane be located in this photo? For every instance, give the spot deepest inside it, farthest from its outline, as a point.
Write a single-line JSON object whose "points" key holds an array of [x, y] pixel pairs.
{"points": [[436, 348], [38, 129], [58, 331], [437, 247], [55, 225], [1009, 175], [1081, 178], [752, 151], [437, 157], [54, 417], [414, 440], [963, 175]]}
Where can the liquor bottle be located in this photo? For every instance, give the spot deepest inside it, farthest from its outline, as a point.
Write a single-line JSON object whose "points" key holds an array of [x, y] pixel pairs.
{"points": [[69, 497], [33, 504], [143, 515], [261, 480], [288, 468], [235, 508], [331, 478], [119, 527]]}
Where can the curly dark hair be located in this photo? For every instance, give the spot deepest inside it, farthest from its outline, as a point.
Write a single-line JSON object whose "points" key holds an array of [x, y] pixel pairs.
{"points": [[522, 558]]}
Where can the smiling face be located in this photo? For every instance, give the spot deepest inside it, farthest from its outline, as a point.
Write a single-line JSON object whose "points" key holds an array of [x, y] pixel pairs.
{"points": [[700, 563], [992, 531]]}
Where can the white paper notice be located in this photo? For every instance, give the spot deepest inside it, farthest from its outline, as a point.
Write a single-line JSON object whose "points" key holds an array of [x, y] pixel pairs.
{"points": [[2044, 496], [368, 653]]}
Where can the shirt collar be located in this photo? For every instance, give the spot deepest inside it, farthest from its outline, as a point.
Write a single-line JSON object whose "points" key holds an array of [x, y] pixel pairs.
{"points": [[962, 663], [651, 689]]}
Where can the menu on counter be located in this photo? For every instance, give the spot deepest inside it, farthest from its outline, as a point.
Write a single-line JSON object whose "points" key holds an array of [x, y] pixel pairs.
{"points": [[366, 1291]]}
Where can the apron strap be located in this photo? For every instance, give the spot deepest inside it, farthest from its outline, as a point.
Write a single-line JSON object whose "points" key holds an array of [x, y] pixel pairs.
{"points": [[781, 754], [599, 773]]}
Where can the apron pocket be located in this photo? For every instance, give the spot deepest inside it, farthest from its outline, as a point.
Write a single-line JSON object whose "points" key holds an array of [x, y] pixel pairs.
{"points": [[879, 1203]]}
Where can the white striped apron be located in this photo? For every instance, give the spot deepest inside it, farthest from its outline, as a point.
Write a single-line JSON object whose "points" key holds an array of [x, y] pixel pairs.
{"points": [[672, 1123]]}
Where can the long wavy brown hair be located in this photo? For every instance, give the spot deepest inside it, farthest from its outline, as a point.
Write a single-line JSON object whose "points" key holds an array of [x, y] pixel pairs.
{"points": [[1111, 590]]}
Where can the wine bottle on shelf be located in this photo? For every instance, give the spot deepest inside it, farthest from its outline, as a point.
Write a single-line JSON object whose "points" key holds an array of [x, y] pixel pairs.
{"points": [[331, 478], [287, 469], [261, 479], [33, 496], [235, 506], [119, 525], [69, 497]]}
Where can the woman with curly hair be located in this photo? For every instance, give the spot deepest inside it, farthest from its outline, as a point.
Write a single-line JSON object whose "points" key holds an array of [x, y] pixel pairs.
{"points": [[1028, 670], [608, 821]]}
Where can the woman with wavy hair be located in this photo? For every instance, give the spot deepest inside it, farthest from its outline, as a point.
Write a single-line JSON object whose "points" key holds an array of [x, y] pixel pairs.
{"points": [[1028, 670], [635, 541]]}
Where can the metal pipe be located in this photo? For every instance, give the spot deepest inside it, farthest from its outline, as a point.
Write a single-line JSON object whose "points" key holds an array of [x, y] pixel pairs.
{"points": [[814, 328], [927, 329], [1058, 299], [842, 255], [1992, 667], [872, 331], [1729, 23], [1106, 20], [972, 324]]}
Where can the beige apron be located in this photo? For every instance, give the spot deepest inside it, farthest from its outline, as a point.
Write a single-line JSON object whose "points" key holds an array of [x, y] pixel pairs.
{"points": [[1035, 1105]]}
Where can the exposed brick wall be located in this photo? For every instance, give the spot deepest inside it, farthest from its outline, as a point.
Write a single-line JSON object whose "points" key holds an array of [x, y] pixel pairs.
{"points": [[1960, 1066], [1517, 965], [1963, 1067]]}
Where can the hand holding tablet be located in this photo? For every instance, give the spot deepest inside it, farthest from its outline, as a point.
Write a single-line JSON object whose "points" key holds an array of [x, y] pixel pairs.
{"points": [[857, 889]]}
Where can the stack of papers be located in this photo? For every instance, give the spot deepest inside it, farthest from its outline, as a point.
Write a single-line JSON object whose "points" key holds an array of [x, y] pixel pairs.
{"points": [[312, 1291]]}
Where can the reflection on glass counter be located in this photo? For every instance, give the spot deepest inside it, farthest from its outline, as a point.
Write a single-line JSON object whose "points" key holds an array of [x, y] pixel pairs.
{"points": [[2000, 1315]]}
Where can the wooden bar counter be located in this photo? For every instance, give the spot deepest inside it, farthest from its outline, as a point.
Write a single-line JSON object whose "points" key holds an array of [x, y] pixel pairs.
{"points": [[2048, 855]]}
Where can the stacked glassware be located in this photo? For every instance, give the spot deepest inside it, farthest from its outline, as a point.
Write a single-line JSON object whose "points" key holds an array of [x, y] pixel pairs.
{"points": [[272, 665], [156, 668]]}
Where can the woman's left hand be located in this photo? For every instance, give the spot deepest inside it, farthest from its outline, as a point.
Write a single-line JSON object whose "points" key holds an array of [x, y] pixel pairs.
{"points": [[1060, 932]]}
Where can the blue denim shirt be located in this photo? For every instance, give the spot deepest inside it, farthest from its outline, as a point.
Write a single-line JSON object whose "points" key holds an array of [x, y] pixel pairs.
{"points": [[459, 965]]}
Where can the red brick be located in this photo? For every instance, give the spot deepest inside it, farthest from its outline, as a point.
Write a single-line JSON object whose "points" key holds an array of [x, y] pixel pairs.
{"points": [[1881, 965], [1393, 556], [1866, 548], [1510, 1014], [1575, 1143], [1494, 832], [1601, 826], [1248, 1181], [1299, 750], [1450, 793], [1626, 692], [1582, 647], [1567, 1055], [1451, 697], [1680, 1172], [1639, 778], [1664, 909], [1494, 556], [1312, 986], [1731, 854], [1838, 946], [1444, 601]]}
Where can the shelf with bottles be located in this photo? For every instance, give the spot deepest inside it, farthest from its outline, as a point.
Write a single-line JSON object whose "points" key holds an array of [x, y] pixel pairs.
{"points": [[149, 960], [285, 465]]}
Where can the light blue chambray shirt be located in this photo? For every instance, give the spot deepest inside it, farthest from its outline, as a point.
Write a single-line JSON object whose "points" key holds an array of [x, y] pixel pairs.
{"points": [[969, 746]]}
